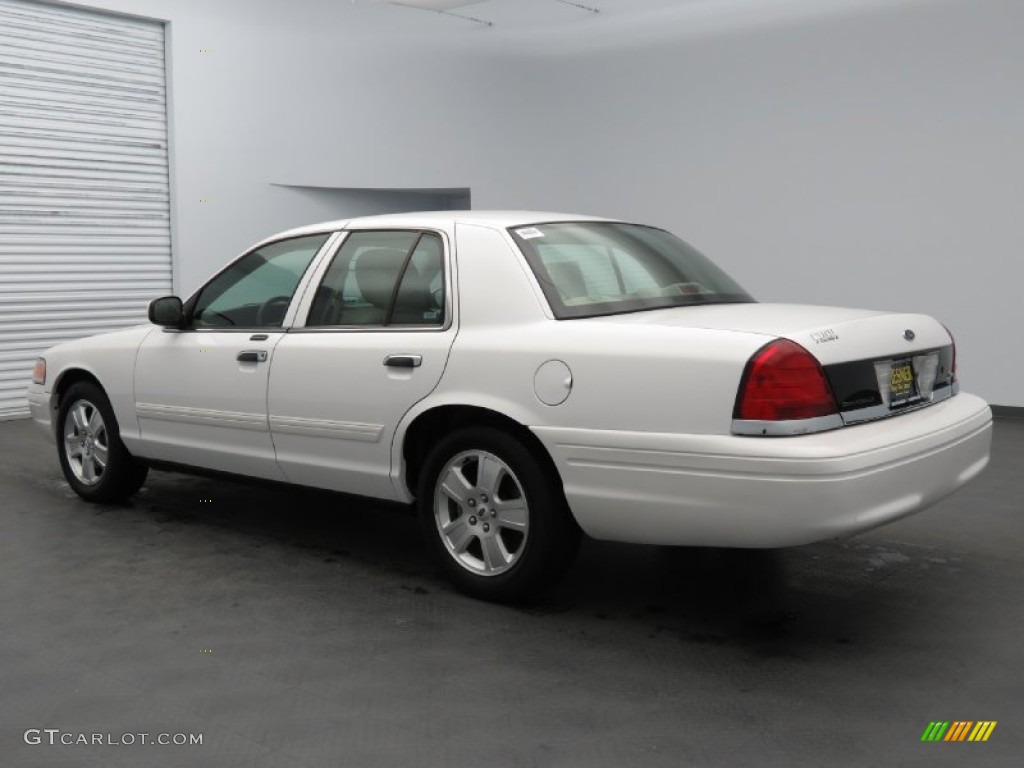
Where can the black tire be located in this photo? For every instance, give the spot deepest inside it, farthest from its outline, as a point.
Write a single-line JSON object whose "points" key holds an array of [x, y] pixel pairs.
{"points": [[115, 474], [488, 555]]}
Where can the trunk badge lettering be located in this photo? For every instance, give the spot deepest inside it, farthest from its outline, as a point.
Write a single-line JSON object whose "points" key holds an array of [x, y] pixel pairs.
{"points": [[822, 337]]}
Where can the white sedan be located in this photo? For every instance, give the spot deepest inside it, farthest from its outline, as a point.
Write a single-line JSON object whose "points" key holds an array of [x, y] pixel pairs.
{"points": [[523, 377]]}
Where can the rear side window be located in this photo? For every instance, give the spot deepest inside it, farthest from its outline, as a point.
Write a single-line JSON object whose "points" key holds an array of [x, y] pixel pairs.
{"points": [[382, 279], [603, 268]]}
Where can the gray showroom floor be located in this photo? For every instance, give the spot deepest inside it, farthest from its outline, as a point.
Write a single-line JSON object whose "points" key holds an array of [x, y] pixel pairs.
{"points": [[296, 629]]}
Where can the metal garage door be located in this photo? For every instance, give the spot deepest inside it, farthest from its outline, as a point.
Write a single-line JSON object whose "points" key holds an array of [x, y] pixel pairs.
{"points": [[84, 207]]}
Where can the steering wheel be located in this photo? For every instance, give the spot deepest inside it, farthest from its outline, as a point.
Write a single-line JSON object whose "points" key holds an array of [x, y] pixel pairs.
{"points": [[203, 315], [273, 310]]}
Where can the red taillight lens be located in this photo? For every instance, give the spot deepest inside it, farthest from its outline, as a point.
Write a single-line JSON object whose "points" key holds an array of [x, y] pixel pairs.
{"points": [[784, 381]]}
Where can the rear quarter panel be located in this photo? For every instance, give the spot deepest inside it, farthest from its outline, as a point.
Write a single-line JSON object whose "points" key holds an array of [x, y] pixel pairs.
{"points": [[637, 379], [641, 378]]}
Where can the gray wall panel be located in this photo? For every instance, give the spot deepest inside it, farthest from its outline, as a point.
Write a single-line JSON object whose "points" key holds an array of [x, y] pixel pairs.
{"points": [[84, 195]]}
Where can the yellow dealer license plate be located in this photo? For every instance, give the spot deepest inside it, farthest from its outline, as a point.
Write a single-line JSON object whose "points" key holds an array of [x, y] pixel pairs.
{"points": [[902, 383]]}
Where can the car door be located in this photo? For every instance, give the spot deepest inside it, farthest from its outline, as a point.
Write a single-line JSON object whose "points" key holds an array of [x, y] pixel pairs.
{"points": [[201, 392], [374, 342]]}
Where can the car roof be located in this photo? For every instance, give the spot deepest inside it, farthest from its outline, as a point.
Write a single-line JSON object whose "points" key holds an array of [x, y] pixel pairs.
{"points": [[444, 220]]}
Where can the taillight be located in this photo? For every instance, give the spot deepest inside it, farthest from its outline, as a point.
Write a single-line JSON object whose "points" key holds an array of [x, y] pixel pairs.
{"points": [[952, 370], [783, 382]]}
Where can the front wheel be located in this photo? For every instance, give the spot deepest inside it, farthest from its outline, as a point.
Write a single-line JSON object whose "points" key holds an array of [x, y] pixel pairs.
{"points": [[494, 517], [95, 462]]}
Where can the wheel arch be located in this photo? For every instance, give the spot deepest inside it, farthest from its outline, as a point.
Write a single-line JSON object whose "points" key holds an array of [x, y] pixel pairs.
{"points": [[66, 379], [418, 437], [120, 474]]}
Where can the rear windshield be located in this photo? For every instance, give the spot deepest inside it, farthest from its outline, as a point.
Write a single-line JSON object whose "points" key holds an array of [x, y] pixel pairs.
{"points": [[604, 268]]}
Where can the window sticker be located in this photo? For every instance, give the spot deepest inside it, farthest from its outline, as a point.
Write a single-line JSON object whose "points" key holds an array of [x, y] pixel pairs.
{"points": [[529, 233]]}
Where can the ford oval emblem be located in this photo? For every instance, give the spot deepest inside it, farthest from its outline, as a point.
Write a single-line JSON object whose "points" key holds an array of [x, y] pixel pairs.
{"points": [[909, 335]]}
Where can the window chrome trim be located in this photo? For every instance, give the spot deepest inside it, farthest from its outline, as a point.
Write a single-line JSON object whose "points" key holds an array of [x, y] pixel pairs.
{"points": [[371, 329], [750, 428], [316, 276], [276, 330]]}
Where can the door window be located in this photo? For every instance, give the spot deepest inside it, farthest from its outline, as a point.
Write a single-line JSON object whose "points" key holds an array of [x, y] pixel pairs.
{"points": [[383, 279], [255, 291]]}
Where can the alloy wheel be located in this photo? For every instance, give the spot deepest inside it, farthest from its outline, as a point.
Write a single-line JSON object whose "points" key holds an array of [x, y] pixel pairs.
{"points": [[86, 442], [481, 512]]}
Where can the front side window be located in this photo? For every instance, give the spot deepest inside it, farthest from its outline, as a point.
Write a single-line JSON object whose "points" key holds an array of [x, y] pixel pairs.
{"points": [[604, 268], [382, 279], [255, 291]]}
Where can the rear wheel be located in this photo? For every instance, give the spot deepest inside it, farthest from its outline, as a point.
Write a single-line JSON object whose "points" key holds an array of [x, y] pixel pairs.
{"points": [[95, 462], [494, 517]]}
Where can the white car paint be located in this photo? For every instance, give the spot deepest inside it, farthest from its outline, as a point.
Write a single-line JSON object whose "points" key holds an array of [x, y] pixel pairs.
{"points": [[334, 405], [642, 440], [196, 404], [729, 491]]}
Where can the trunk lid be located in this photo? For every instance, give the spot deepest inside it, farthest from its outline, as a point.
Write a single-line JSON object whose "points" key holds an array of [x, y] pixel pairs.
{"points": [[877, 363], [831, 334]]}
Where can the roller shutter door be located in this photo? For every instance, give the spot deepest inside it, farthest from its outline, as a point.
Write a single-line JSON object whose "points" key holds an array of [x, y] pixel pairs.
{"points": [[84, 205]]}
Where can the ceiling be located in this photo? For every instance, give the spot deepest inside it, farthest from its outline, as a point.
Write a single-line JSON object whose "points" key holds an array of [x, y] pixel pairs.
{"points": [[567, 26], [531, 28], [526, 15]]}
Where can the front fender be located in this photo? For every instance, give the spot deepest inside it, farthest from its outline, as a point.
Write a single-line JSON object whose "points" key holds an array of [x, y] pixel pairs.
{"points": [[108, 358]]}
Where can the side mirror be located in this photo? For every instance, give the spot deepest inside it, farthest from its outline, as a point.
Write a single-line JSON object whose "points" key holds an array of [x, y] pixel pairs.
{"points": [[167, 311]]}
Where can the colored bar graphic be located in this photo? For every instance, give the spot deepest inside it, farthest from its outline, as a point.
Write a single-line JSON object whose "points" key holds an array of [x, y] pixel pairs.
{"points": [[982, 730], [958, 730]]}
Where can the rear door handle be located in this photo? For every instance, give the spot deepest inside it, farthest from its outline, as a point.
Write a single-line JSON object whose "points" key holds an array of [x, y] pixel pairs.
{"points": [[403, 361], [252, 356]]}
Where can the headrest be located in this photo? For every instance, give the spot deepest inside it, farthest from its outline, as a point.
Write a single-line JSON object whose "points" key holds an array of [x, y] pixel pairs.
{"points": [[568, 278], [376, 271]]}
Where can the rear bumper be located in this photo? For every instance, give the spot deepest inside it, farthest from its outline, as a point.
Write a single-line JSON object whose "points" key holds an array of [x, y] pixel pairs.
{"points": [[732, 491]]}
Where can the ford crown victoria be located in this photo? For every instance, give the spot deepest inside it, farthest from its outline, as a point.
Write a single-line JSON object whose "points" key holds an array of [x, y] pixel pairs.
{"points": [[522, 378]]}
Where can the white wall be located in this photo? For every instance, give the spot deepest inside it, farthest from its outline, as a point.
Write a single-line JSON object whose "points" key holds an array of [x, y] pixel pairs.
{"points": [[869, 155], [872, 159], [318, 99]]}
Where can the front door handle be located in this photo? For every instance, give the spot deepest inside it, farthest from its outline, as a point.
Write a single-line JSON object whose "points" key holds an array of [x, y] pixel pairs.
{"points": [[403, 361], [252, 356]]}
